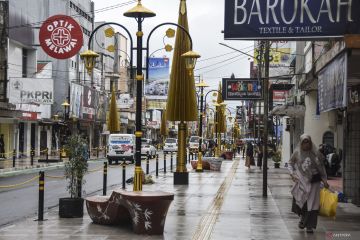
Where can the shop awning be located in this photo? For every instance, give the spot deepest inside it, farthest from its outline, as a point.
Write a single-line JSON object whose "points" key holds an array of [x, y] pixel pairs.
{"points": [[295, 111]]}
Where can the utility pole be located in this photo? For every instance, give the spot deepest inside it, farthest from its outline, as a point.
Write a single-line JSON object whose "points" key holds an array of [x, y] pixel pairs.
{"points": [[266, 113]]}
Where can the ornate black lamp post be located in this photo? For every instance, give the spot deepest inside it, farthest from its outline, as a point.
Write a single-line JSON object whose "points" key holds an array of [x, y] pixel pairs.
{"points": [[139, 12]]}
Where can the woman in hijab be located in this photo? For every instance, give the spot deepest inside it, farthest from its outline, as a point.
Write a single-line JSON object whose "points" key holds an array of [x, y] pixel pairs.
{"points": [[249, 154], [307, 170]]}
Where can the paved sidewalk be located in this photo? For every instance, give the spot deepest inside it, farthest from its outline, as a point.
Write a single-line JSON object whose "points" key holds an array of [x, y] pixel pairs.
{"points": [[215, 205]]}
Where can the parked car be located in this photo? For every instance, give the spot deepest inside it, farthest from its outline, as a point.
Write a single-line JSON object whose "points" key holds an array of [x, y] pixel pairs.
{"points": [[121, 148], [194, 144], [171, 145], [147, 149]]}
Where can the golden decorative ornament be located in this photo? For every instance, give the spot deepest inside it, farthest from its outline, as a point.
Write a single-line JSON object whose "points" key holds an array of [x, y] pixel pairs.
{"points": [[139, 11], [109, 32], [170, 33], [168, 48], [111, 48]]}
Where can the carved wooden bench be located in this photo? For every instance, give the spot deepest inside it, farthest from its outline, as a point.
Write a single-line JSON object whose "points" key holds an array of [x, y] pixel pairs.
{"points": [[146, 211]]}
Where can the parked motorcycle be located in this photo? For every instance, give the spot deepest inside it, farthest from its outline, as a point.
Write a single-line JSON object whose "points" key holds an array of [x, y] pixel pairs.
{"points": [[332, 160]]}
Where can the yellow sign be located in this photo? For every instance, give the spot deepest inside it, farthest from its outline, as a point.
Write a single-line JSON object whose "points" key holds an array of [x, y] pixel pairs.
{"points": [[279, 57], [155, 104]]}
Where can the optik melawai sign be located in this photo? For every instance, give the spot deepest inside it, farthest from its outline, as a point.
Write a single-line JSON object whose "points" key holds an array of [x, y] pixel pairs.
{"points": [[288, 19]]}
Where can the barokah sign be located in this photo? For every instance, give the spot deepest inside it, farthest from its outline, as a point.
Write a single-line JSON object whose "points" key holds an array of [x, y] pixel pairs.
{"points": [[288, 19]]}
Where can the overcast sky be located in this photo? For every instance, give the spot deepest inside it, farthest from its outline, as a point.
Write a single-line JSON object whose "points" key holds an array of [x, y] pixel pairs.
{"points": [[206, 21]]}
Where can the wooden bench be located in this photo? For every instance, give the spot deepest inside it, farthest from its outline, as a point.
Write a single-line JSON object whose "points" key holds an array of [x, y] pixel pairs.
{"points": [[146, 211]]}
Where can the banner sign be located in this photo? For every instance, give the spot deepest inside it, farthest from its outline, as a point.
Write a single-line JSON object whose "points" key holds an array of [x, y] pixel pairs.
{"points": [[241, 89], [332, 87], [61, 37], [289, 19], [76, 96], [88, 107], [31, 91], [157, 85]]}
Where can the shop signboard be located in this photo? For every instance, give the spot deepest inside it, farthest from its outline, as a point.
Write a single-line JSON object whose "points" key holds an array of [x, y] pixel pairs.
{"points": [[332, 87], [61, 37], [290, 19], [31, 91], [241, 89]]}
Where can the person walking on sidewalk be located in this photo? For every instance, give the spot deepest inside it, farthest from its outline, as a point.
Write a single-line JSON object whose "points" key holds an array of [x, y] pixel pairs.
{"points": [[249, 154], [307, 171]]}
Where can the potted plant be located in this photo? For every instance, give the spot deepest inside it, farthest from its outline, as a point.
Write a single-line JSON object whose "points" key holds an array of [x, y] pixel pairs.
{"points": [[276, 159], [75, 169]]}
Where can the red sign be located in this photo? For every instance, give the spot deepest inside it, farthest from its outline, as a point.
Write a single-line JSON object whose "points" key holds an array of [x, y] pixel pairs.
{"points": [[30, 116], [61, 37]]}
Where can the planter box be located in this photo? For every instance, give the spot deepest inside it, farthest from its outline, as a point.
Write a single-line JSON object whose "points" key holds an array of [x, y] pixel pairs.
{"points": [[71, 207]]}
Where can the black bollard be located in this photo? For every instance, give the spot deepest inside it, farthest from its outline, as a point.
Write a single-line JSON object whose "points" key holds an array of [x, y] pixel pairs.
{"points": [[14, 157], [164, 163], [123, 175], [105, 179], [171, 162], [41, 196], [147, 165], [32, 154], [157, 164]]}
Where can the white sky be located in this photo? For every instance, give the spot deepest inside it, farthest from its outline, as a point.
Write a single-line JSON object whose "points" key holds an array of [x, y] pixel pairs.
{"points": [[206, 21]]}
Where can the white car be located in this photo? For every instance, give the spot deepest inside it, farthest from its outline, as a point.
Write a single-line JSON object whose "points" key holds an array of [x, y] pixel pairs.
{"points": [[121, 148], [171, 145], [147, 149], [194, 144]]}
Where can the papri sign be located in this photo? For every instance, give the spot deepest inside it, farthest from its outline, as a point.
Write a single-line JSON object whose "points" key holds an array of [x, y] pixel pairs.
{"points": [[61, 37], [289, 19]]}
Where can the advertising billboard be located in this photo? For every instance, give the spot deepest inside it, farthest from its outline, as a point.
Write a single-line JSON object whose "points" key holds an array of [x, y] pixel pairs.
{"points": [[31, 90], [241, 89], [290, 19], [156, 87]]}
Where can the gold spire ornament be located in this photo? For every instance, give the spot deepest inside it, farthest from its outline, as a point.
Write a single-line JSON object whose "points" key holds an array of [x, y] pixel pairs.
{"points": [[181, 102], [113, 121]]}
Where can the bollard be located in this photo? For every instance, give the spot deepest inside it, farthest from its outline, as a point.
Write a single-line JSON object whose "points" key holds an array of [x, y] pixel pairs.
{"points": [[14, 157], [41, 196], [157, 164], [104, 178], [123, 175], [147, 165], [97, 152], [171, 162], [47, 154], [164, 163], [32, 153]]}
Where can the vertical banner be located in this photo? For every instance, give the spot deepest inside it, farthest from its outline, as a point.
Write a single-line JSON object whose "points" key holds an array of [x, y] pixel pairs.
{"points": [[4, 24], [156, 87], [76, 96], [332, 84], [88, 106]]}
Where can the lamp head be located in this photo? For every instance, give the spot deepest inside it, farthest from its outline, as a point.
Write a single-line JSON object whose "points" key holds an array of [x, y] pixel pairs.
{"points": [[190, 59], [65, 104], [139, 11], [202, 84], [89, 58]]}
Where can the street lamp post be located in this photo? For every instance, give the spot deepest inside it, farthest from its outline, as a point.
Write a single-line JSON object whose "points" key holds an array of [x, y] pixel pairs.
{"points": [[139, 12], [200, 85]]}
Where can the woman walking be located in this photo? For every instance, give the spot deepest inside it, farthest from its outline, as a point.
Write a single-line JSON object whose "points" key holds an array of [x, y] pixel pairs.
{"points": [[249, 154], [307, 171]]}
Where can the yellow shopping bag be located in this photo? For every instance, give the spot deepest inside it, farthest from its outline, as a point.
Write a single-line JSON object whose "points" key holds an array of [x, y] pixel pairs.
{"points": [[328, 203]]}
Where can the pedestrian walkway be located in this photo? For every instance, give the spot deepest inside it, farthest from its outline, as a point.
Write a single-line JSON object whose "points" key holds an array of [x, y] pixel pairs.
{"points": [[215, 205]]}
